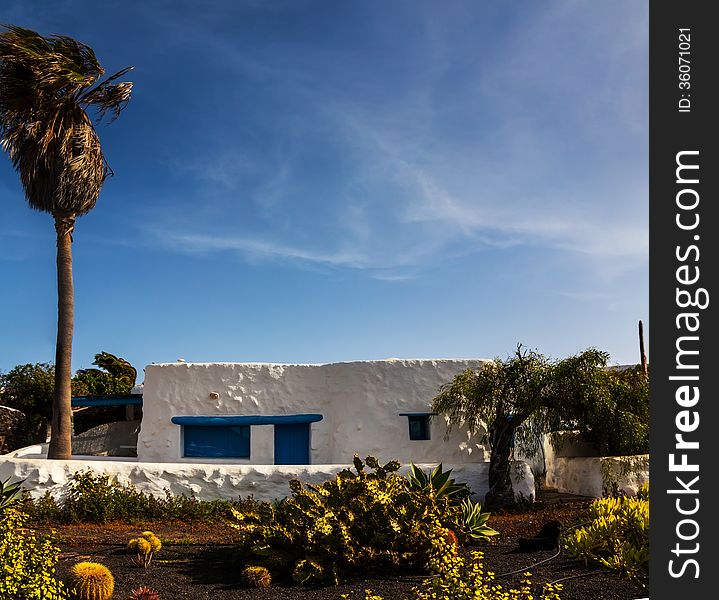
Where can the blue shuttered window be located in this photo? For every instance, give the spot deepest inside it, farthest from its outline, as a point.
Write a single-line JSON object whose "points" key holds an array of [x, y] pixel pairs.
{"points": [[217, 442]]}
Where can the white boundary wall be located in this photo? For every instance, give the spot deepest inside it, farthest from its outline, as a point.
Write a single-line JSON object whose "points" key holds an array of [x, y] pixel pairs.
{"points": [[582, 475], [576, 468], [360, 403], [212, 481]]}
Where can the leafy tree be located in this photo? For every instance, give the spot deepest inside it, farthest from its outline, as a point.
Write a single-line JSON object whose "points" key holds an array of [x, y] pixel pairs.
{"points": [[528, 394], [116, 376], [607, 407], [46, 85], [29, 388]]}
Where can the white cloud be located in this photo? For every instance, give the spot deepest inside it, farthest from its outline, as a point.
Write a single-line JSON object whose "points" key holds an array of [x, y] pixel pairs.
{"points": [[533, 164]]}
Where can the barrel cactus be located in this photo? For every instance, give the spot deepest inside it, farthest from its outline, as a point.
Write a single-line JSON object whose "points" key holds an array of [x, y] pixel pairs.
{"points": [[145, 547], [90, 581], [155, 544], [256, 577]]}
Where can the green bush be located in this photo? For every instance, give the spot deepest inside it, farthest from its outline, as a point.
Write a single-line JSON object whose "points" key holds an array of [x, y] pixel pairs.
{"points": [[358, 522], [617, 536], [93, 498], [27, 562]]}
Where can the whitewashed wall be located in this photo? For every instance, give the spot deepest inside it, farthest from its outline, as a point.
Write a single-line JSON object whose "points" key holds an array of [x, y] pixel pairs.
{"points": [[210, 481], [360, 403]]}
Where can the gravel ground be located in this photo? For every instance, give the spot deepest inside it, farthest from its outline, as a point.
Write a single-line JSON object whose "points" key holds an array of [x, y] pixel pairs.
{"points": [[198, 561]]}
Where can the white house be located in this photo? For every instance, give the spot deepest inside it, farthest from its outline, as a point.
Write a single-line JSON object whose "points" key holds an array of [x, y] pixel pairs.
{"points": [[284, 414]]}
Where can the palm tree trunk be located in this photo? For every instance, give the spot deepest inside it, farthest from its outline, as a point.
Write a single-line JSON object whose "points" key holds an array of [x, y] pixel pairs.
{"points": [[61, 433]]}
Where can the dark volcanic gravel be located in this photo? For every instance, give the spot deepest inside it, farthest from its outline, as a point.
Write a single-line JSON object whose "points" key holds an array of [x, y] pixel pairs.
{"points": [[206, 566]]}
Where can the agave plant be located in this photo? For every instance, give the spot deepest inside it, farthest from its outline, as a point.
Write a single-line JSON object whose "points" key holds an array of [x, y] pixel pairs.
{"points": [[439, 481], [473, 521], [9, 493]]}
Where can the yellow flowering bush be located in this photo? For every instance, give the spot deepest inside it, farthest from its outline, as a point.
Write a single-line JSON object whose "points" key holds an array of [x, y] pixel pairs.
{"points": [[27, 562], [459, 579]]}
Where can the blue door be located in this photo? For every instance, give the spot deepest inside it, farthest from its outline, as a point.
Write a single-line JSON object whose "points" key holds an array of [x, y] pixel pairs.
{"points": [[292, 444]]}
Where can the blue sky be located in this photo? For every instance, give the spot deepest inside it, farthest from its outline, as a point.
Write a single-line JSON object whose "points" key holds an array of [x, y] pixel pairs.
{"points": [[316, 181]]}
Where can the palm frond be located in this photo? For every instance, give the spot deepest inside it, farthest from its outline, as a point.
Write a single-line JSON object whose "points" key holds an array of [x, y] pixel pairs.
{"points": [[46, 83]]}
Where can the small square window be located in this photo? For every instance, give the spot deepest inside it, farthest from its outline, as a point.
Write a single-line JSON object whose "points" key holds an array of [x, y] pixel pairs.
{"points": [[419, 427]]}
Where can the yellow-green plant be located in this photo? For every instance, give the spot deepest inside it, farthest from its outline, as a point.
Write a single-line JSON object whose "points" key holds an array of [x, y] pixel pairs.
{"points": [[461, 579], [472, 522], [256, 577], [369, 520], [155, 543], [90, 581], [27, 562], [617, 536]]}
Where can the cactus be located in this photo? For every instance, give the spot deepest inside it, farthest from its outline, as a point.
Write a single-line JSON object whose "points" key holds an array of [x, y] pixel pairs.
{"points": [[144, 593], [90, 581], [256, 577], [155, 543], [308, 572], [145, 548]]}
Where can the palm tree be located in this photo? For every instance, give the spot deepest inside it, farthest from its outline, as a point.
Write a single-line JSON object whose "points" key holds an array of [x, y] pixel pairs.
{"points": [[46, 86]]}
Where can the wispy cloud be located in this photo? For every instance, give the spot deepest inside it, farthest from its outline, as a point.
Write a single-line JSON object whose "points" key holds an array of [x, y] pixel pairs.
{"points": [[520, 151]]}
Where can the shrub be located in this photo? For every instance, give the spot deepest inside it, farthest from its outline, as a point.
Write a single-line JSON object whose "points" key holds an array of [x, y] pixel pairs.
{"points": [[617, 536], [144, 593], [256, 577], [90, 581], [27, 562], [371, 521], [94, 498]]}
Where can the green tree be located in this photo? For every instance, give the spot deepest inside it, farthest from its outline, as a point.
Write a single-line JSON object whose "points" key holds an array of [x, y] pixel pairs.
{"points": [[29, 388], [46, 86], [116, 376], [527, 394]]}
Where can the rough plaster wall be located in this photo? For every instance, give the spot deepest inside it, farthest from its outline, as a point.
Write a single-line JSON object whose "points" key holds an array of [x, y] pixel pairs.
{"points": [[360, 403], [583, 475], [211, 481]]}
